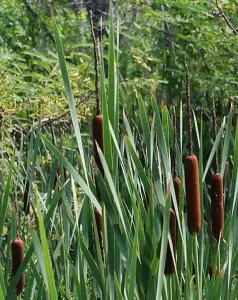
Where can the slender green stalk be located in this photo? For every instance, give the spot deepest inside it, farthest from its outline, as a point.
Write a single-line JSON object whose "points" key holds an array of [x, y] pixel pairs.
{"points": [[195, 248]]}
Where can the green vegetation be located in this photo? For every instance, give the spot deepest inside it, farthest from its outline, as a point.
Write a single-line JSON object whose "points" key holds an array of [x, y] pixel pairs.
{"points": [[100, 223]]}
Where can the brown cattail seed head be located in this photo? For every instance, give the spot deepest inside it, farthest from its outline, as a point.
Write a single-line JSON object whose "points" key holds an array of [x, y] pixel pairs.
{"points": [[17, 258], [98, 218], [98, 137], [192, 193], [177, 186], [26, 198], [169, 264], [217, 206]]}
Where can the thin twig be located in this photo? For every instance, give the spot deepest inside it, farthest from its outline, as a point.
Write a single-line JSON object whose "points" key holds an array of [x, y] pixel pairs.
{"points": [[190, 133], [223, 15], [95, 45], [215, 132]]}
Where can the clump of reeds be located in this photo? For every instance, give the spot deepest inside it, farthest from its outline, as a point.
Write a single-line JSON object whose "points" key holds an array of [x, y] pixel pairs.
{"points": [[169, 263], [17, 258], [217, 202], [191, 170]]}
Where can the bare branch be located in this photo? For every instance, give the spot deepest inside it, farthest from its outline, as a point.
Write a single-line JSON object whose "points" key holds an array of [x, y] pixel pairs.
{"points": [[223, 15]]}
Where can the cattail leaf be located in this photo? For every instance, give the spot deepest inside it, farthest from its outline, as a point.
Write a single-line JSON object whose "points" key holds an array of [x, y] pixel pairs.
{"points": [[128, 130], [214, 149], [39, 253], [4, 202], [104, 104], [163, 249], [71, 170], [116, 199], [196, 129], [78, 284], [132, 282], [47, 264], [165, 125], [92, 264], [234, 181], [70, 98], [118, 291], [226, 143], [83, 277], [112, 92], [234, 268], [145, 127], [138, 165], [2, 284], [161, 137], [120, 158], [32, 275]]}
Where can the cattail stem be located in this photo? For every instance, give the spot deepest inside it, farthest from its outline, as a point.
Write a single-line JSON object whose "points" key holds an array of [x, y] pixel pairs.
{"points": [[188, 96], [215, 132], [192, 193], [95, 45], [169, 263], [174, 152], [177, 187], [17, 217], [17, 258], [197, 267]]}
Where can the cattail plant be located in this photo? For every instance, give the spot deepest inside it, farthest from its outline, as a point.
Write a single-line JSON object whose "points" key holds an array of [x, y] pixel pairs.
{"points": [[217, 202], [191, 175], [97, 134], [17, 258], [169, 263], [98, 118], [176, 179]]}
